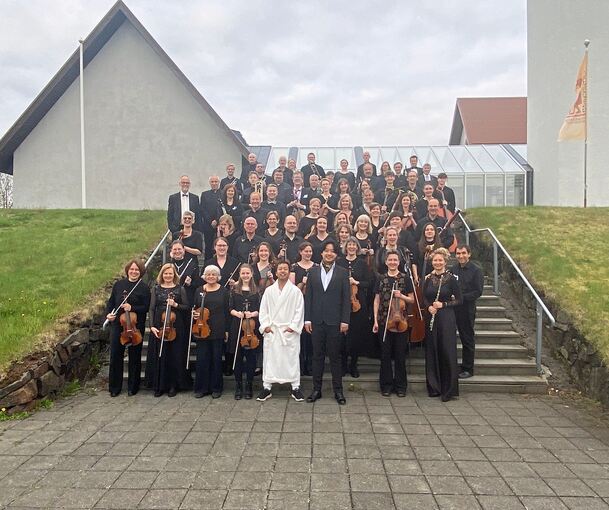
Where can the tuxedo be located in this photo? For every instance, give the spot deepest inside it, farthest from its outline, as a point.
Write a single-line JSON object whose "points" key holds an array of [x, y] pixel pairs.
{"points": [[174, 211], [418, 169], [326, 310], [433, 180]]}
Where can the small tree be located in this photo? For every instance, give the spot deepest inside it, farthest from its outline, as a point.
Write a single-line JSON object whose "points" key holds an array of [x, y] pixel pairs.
{"points": [[6, 191]]}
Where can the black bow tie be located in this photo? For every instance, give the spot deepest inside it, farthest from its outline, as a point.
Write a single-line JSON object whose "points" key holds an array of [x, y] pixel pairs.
{"points": [[184, 194]]}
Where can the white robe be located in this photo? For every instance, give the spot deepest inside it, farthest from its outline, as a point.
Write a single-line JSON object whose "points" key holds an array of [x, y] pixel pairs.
{"points": [[279, 310]]}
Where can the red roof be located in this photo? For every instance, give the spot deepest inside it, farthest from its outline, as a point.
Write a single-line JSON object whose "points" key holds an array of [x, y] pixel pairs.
{"points": [[489, 120]]}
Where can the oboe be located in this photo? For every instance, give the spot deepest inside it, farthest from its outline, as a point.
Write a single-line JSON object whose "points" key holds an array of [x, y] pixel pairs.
{"points": [[433, 317]]}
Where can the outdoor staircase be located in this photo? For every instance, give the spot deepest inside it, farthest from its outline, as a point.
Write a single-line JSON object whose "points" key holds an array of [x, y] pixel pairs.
{"points": [[503, 363]]}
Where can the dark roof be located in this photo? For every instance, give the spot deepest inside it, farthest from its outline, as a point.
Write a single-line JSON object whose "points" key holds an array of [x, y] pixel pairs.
{"points": [[489, 120], [95, 41]]}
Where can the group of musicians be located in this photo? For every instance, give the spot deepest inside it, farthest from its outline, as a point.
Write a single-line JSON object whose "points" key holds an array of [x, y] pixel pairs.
{"points": [[272, 273]]}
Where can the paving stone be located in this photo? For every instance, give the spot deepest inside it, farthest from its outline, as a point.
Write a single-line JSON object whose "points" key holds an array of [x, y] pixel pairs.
{"points": [[415, 502], [290, 481], [374, 501], [163, 498], [373, 466], [204, 499], [248, 499], [448, 485], [543, 503], [80, 498], [329, 482], [409, 484], [323, 465], [330, 501], [500, 503], [456, 502], [213, 480], [585, 503], [529, 486], [489, 485], [369, 483], [292, 500], [600, 486], [121, 498], [135, 480], [174, 480], [569, 487]]}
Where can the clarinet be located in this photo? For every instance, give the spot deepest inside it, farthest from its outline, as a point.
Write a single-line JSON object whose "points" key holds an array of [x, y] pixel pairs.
{"points": [[433, 317]]}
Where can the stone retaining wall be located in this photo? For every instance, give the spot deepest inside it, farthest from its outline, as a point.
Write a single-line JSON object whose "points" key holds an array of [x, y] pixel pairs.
{"points": [[69, 360], [566, 343]]}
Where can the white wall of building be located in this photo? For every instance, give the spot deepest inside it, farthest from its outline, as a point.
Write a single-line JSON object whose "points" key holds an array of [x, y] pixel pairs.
{"points": [[556, 33], [143, 130]]}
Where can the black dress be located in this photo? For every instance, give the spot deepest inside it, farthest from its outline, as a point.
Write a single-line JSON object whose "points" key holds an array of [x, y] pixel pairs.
{"points": [[317, 244], [228, 270], [306, 346], [359, 336], [168, 371], [208, 372], [441, 342], [304, 227], [188, 267], [237, 302], [139, 300], [194, 240]]}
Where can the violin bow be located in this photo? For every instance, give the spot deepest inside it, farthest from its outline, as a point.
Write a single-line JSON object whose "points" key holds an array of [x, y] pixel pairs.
{"points": [[393, 287], [237, 344], [106, 322], [167, 311]]}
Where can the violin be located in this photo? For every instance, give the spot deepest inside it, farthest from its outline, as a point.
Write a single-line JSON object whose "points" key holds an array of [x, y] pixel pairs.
{"points": [[396, 315], [168, 318], [130, 335], [248, 340], [356, 306], [283, 248], [200, 328]]}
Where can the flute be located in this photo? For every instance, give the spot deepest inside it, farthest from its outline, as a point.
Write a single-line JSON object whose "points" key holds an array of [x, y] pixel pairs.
{"points": [[433, 317]]}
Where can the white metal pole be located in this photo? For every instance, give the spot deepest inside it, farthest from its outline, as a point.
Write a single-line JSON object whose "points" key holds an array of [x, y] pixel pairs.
{"points": [[82, 128], [586, 44]]}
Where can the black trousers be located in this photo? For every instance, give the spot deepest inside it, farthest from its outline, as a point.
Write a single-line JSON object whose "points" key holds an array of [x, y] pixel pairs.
{"points": [[250, 356], [306, 353], [396, 346], [465, 315], [117, 356], [208, 371], [327, 339]]}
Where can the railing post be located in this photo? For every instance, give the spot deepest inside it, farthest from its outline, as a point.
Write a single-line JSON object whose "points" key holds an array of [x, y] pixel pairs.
{"points": [[538, 337], [467, 237], [495, 268], [164, 258]]}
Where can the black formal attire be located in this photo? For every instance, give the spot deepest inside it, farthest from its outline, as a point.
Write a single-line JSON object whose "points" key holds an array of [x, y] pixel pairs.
{"points": [[349, 176], [302, 194], [358, 338], [274, 240], [260, 216], [396, 344], [306, 346], [277, 206], [387, 199], [244, 246], [360, 171], [174, 211], [284, 192], [326, 309], [441, 368], [140, 302], [237, 183], [471, 282], [416, 190], [196, 241], [169, 371], [185, 268], [406, 257], [209, 212], [235, 211], [311, 169], [227, 271], [288, 175], [433, 180], [208, 371], [246, 358], [400, 181], [421, 205], [292, 252], [317, 246], [438, 222], [418, 169], [245, 171], [449, 195], [304, 226]]}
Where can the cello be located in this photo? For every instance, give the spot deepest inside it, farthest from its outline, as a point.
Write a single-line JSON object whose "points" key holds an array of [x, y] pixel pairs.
{"points": [[415, 313]]}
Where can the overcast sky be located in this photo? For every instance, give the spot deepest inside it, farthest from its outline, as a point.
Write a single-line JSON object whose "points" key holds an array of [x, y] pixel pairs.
{"points": [[341, 72]]}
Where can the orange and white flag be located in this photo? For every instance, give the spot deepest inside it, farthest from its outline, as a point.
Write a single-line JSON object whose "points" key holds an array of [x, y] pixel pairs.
{"points": [[575, 125]]}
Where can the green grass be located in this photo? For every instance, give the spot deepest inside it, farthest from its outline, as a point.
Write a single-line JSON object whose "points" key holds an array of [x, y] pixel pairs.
{"points": [[563, 251], [53, 261]]}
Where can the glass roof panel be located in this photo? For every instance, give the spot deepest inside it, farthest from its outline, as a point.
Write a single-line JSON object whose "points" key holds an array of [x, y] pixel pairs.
{"points": [[426, 155], [302, 155], [464, 158], [521, 149], [374, 155], [390, 154], [483, 158], [276, 153], [405, 153], [503, 159], [345, 153], [446, 159], [325, 157]]}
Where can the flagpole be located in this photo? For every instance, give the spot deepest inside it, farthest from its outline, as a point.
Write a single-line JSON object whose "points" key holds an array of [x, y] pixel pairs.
{"points": [[586, 44]]}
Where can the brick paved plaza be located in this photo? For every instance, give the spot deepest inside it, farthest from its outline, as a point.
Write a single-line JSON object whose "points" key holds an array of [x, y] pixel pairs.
{"points": [[482, 451]]}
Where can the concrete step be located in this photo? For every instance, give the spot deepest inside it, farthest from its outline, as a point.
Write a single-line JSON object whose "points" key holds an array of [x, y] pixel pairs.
{"points": [[488, 299], [497, 337], [492, 323], [489, 311]]}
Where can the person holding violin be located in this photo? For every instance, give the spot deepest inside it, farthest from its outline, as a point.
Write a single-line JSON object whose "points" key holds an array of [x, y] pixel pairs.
{"points": [[168, 339], [243, 341], [441, 294], [192, 239], [281, 321], [211, 303], [392, 292], [298, 276], [360, 278], [128, 302]]}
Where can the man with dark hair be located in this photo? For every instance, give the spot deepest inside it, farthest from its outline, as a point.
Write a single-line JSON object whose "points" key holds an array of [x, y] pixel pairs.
{"points": [[327, 315], [412, 183], [471, 282], [414, 165], [311, 168], [447, 195], [432, 216], [284, 190]]}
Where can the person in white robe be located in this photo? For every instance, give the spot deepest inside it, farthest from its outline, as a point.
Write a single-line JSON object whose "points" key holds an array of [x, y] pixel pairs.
{"points": [[281, 319]]}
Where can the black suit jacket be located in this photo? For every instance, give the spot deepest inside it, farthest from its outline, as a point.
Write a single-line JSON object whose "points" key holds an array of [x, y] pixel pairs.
{"points": [[332, 305], [307, 172], [174, 211], [209, 208]]}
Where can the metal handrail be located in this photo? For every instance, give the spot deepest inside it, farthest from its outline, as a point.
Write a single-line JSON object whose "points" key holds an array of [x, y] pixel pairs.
{"points": [[541, 307], [147, 263]]}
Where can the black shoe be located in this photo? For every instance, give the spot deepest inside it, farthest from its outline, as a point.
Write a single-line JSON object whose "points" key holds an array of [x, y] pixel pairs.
{"points": [[172, 392], [297, 395], [401, 393], [465, 375], [340, 398], [354, 371], [264, 395], [315, 395], [386, 393], [115, 393], [199, 394], [249, 391], [238, 391], [158, 393], [131, 393], [216, 394], [446, 398]]}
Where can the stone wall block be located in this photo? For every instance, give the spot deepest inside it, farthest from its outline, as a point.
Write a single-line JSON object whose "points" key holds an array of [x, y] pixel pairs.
{"points": [[50, 383], [24, 394], [25, 378]]}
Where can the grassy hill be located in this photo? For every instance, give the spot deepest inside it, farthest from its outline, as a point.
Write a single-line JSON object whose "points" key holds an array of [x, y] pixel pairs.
{"points": [[52, 261], [563, 251]]}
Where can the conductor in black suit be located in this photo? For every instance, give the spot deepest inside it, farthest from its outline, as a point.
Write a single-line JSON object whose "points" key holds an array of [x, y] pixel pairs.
{"points": [[327, 313], [181, 202]]}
